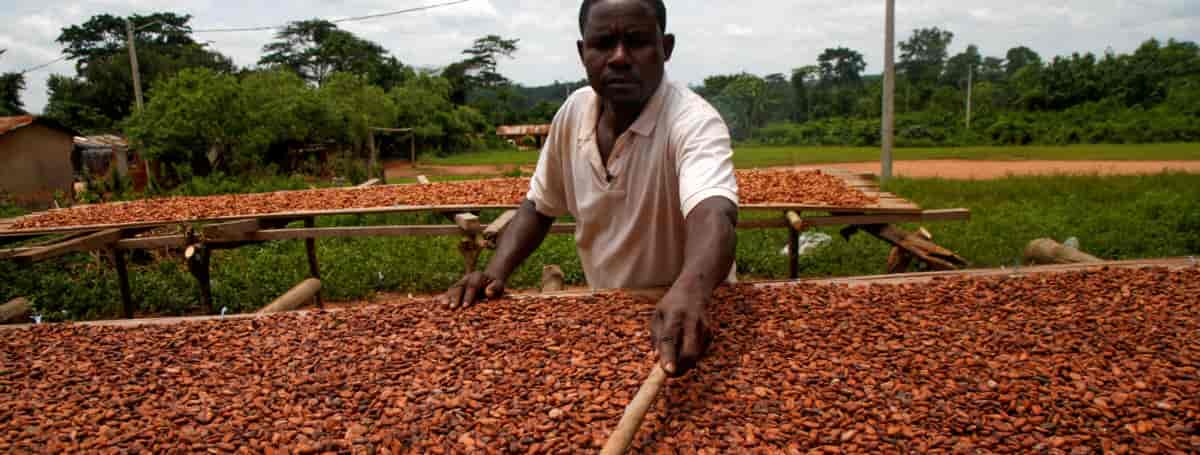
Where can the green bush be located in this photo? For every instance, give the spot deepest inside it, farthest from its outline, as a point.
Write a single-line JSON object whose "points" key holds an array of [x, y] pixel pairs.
{"points": [[1103, 122]]}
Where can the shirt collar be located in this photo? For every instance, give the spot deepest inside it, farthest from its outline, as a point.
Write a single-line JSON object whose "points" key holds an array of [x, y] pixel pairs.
{"points": [[646, 121]]}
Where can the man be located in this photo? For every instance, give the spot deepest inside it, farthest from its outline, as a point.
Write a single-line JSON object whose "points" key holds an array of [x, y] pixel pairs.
{"points": [[645, 167]]}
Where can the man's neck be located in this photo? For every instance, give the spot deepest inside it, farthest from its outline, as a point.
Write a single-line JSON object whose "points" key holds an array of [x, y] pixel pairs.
{"points": [[621, 117]]}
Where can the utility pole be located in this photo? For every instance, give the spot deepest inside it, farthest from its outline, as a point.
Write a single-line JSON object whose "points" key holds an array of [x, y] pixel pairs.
{"points": [[889, 91], [122, 159], [970, 86]]}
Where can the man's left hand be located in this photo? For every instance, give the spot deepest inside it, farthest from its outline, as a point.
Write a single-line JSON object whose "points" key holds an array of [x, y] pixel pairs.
{"points": [[680, 330]]}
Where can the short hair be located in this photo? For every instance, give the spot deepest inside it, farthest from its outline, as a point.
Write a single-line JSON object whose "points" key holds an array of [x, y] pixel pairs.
{"points": [[660, 12]]}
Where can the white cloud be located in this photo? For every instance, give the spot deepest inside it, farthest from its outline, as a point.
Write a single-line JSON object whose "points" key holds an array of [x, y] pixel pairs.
{"points": [[713, 34], [738, 30]]}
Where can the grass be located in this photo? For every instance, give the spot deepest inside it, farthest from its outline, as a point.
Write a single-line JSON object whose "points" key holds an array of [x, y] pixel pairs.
{"points": [[1114, 217], [760, 156]]}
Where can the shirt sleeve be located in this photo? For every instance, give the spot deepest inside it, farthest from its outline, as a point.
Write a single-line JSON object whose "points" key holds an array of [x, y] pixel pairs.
{"points": [[546, 188], [704, 157]]}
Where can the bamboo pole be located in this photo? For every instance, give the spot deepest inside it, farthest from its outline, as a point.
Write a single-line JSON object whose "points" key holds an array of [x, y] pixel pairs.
{"points": [[622, 437], [16, 309], [294, 298]]}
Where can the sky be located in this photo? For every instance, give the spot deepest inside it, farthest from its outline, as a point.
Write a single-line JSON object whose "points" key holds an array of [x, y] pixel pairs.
{"points": [[714, 36]]}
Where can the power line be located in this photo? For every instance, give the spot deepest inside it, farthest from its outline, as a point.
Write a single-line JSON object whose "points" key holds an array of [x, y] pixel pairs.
{"points": [[35, 68], [338, 21], [273, 27]]}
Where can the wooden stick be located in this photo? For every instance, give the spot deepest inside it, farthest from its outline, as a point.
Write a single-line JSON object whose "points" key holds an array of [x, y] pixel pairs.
{"points": [[297, 296], [622, 437], [16, 309]]}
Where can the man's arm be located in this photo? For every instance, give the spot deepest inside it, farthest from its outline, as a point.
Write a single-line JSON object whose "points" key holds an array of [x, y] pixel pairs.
{"points": [[521, 238], [680, 323]]}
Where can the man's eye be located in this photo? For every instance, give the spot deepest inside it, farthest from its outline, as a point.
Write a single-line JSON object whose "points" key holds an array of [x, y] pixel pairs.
{"points": [[602, 43]]}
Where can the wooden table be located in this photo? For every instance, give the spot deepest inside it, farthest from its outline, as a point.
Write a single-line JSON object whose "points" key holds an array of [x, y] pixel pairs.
{"points": [[201, 236]]}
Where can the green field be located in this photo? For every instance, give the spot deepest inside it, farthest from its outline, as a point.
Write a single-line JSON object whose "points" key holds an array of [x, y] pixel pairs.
{"points": [[1114, 217], [754, 156]]}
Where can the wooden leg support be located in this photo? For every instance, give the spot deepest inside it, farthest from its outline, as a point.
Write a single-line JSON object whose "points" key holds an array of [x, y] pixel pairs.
{"points": [[793, 253], [937, 257], [127, 307], [314, 268], [198, 260]]}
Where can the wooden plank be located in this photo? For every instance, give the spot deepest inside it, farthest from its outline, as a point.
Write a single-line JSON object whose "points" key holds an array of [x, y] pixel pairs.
{"points": [[370, 183], [81, 244], [149, 243], [934, 255], [236, 230], [494, 230], [846, 220], [468, 222]]}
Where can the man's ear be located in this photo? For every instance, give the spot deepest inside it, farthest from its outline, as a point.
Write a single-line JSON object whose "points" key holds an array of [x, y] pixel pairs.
{"points": [[668, 46], [579, 47]]}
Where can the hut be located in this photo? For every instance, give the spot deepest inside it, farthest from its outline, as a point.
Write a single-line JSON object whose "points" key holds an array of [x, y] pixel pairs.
{"points": [[35, 160]]}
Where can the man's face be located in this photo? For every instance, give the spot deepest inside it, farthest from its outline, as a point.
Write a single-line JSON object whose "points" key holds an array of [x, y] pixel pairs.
{"points": [[624, 51]]}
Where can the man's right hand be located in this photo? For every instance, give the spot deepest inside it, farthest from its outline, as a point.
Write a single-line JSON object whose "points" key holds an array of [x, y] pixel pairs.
{"points": [[472, 289]]}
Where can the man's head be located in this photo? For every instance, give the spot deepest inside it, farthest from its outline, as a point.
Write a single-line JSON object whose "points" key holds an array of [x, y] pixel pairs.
{"points": [[624, 48]]}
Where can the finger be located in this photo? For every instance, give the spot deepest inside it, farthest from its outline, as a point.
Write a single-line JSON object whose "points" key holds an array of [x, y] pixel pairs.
{"points": [[469, 296], [453, 297], [656, 328], [668, 344], [692, 345], [495, 290]]}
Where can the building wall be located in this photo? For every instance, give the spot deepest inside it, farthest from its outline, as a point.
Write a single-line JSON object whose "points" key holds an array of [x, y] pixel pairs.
{"points": [[35, 162]]}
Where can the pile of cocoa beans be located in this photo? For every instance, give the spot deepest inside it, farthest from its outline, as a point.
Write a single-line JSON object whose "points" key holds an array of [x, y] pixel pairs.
{"points": [[759, 186], [1104, 361]]}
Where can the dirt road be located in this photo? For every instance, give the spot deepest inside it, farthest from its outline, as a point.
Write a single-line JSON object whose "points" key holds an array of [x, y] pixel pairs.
{"points": [[950, 169], [979, 170]]}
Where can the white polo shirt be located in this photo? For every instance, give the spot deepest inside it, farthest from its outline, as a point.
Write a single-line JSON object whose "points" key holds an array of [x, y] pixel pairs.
{"points": [[631, 230]]}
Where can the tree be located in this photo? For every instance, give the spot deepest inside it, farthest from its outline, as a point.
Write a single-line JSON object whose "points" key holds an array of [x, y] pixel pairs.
{"points": [[105, 34], [743, 104], [316, 48], [923, 55], [101, 93], [960, 66], [779, 92], [841, 66], [478, 71], [356, 107], [188, 116], [11, 85], [483, 58], [801, 97], [281, 108], [1020, 57]]}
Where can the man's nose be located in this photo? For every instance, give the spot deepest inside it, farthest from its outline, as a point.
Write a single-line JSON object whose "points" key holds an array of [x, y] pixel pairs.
{"points": [[620, 56]]}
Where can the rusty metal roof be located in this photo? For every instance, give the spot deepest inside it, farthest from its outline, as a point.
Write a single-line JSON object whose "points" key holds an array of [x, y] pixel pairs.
{"points": [[102, 141], [10, 124], [523, 130]]}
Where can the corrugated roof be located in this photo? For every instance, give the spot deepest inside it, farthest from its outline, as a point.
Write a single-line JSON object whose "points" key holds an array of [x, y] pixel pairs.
{"points": [[105, 141], [523, 130], [10, 124]]}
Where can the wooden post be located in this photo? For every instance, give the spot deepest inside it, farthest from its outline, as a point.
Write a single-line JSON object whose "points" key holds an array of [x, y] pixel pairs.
{"points": [[294, 298], [793, 252], [198, 259], [17, 309], [970, 86], [314, 269], [127, 307], [889, 90]]}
